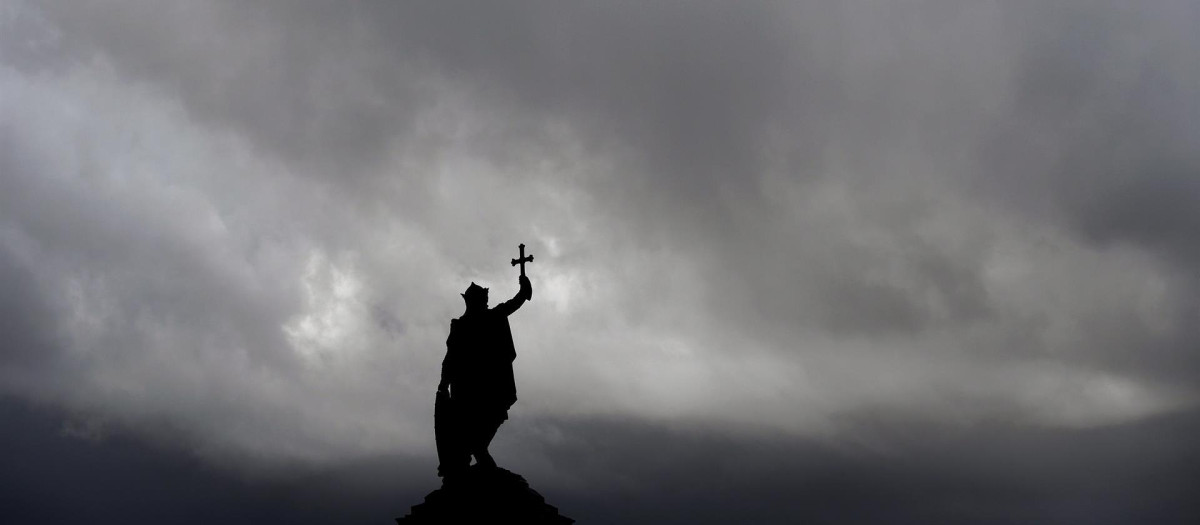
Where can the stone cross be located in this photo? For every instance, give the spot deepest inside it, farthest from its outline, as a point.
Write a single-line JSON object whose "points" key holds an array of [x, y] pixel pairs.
{"points": [[524, 259]]}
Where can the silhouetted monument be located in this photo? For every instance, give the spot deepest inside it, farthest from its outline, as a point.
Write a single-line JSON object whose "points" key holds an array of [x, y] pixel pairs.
{"points": [[473, 398]]}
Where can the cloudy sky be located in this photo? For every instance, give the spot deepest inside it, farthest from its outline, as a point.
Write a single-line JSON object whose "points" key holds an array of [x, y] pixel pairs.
{"points": [[866, 261]]}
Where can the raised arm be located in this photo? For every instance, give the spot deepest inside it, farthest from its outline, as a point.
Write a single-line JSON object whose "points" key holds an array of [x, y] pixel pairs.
{"points": [[511, 305]]}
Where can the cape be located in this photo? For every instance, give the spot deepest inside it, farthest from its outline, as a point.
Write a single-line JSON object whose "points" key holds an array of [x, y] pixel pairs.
{"points": [[479, 359]]}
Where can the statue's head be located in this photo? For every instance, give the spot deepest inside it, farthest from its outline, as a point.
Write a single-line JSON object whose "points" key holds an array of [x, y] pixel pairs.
{"points": [[476, 297]]}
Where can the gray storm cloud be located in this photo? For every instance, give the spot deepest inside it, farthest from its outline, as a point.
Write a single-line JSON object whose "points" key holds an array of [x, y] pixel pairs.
{"points": [[248, 225]]}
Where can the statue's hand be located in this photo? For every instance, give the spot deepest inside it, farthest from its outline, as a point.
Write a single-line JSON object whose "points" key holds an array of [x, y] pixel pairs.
{"points": [[526, 287]]}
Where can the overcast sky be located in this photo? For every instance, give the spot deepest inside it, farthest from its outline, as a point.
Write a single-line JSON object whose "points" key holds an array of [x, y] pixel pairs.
{"points": [[875, 261]]}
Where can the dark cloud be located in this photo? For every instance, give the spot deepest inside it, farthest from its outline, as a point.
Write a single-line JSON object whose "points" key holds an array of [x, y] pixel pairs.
{"points": [[897, 472], [24, 320], [688, 95], [1099, 141], [1102, 123], [52, 477], [241, 230]]}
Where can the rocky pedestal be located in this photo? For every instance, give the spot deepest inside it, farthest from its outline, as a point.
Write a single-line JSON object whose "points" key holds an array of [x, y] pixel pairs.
{"points": [[485, 495]]}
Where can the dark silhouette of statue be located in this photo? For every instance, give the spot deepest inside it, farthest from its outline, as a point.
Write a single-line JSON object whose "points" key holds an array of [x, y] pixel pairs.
{"points": [[473, 398], [477, 385]]}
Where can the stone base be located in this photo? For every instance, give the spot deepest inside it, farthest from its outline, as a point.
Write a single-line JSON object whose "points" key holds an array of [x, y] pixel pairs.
{"points": [[483, 495]]}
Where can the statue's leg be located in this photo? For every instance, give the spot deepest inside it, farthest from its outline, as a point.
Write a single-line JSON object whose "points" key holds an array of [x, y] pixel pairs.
{"points": [[491, 426], [488, 424]]}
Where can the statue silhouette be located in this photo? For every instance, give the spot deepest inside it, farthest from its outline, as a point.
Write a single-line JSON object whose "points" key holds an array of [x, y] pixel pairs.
{"points": [[477, 388], [473, 399]]}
